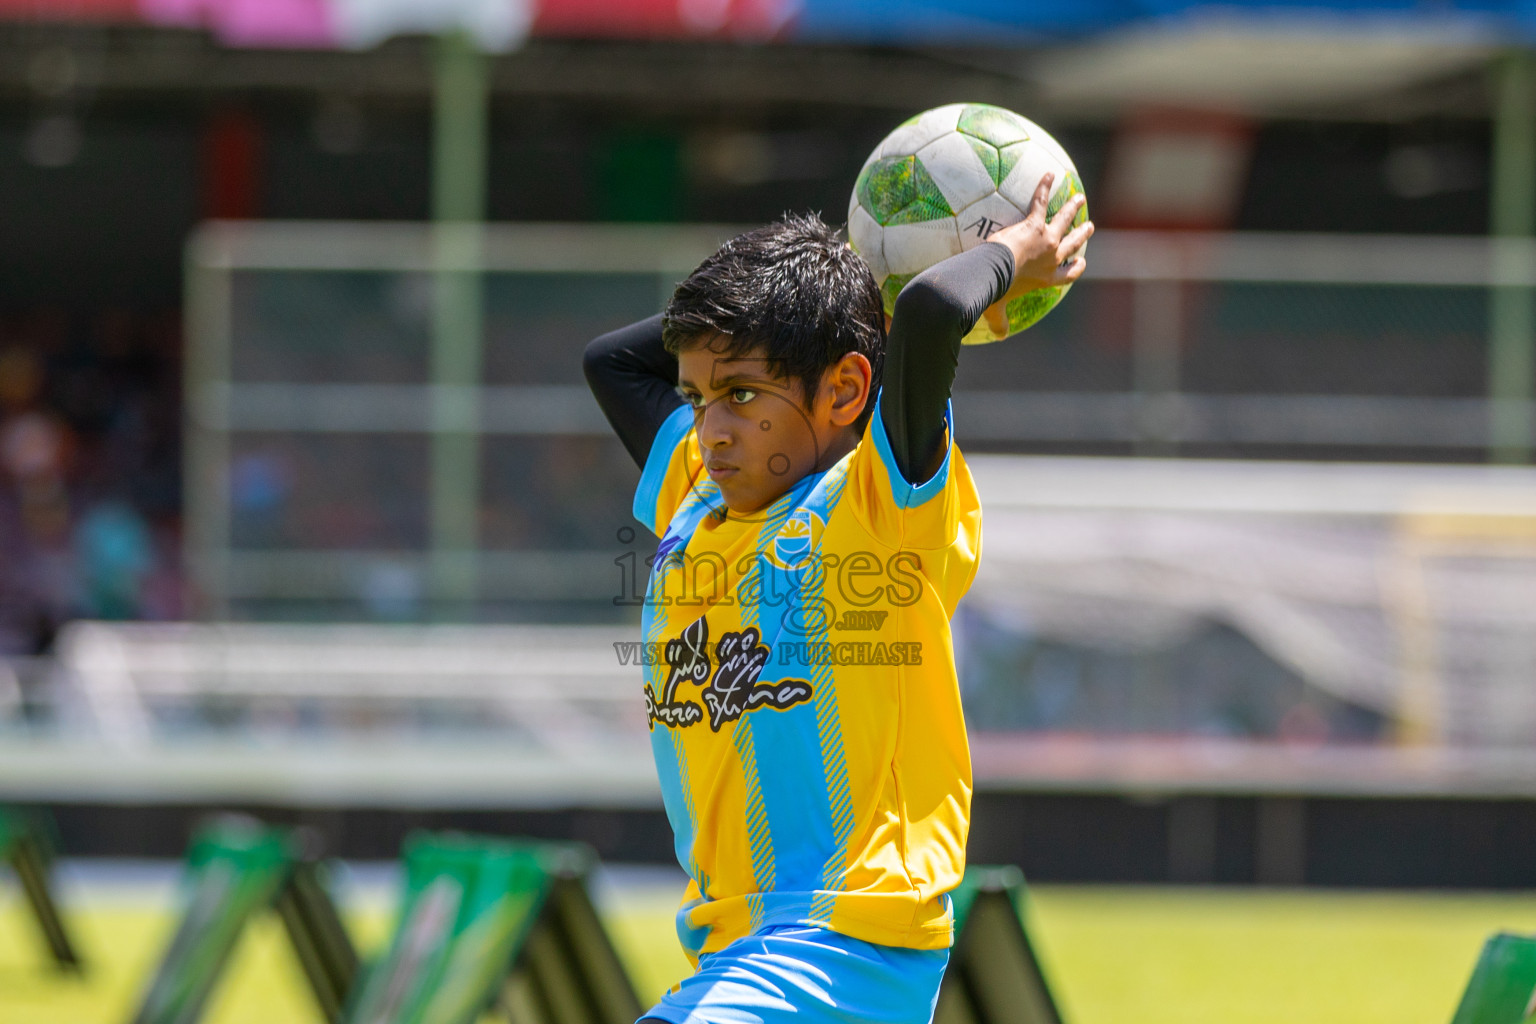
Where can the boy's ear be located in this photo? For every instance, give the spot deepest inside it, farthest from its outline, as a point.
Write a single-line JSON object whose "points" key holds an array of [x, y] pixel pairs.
{"points": [[848, 382]]}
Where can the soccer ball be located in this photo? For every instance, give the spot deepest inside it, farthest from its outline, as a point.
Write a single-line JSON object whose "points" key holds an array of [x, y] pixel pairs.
{"points": [[942, 183]]}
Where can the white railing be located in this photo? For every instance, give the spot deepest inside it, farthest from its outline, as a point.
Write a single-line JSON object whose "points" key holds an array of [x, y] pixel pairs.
{"points": [[1406, 590], [545, 687]]}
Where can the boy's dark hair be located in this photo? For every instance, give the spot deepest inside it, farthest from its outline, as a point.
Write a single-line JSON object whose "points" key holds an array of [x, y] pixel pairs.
{"points": [[791, 288]]}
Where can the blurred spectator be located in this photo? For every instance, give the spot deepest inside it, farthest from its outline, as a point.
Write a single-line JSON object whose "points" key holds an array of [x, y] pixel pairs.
{"points": [[89, 472], [114, 555], [33, 456], [34, 450]]}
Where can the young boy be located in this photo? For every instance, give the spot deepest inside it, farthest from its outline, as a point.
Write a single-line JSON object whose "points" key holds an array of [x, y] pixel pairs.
{"points": [[817, 528]]}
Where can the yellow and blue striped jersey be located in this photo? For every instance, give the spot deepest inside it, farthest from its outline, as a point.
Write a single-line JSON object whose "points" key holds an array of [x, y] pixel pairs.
{"points": [[801, 693]]}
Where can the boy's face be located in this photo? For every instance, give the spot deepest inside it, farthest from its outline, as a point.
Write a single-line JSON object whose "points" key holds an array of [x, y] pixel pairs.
{"points": [[758, 434]]}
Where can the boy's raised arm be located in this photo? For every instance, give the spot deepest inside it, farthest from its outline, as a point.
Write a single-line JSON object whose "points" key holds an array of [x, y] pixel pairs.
{"points": [[634, 380], [933, 312], [940, 305]]}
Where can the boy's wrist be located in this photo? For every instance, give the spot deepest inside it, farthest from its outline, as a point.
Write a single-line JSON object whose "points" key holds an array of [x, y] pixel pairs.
{"points": [[1013, 257], [1011, 267]]}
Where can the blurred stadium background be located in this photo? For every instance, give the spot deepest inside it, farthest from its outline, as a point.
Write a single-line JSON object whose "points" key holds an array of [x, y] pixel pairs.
{"points": [[305, 511]]}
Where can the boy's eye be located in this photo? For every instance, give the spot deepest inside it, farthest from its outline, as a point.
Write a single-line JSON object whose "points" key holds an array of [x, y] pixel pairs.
{"points": [[741, 396], [691, 398]]}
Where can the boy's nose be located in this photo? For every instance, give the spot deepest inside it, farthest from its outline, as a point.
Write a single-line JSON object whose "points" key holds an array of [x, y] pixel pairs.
{"points": [[714, 428]]}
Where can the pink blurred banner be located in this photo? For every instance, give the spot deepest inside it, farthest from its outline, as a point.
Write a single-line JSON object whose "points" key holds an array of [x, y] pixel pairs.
{"points": [[751, 19], [498, 24], [299, 23]]}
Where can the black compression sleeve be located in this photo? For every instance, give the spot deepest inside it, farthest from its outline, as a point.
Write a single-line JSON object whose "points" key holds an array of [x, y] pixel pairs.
{"points": [[933, 312], [633, 379]]}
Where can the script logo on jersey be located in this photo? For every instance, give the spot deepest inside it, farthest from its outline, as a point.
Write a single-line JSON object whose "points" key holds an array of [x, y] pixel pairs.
{"points": [[944, 182], [730, 682], [797, 538]]}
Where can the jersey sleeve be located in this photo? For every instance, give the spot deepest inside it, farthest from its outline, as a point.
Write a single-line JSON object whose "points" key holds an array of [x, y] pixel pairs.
{"points": [[670, 471], [932, 528], [925, 515]]}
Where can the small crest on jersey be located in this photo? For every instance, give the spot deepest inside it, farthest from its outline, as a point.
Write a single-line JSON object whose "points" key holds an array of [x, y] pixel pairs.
{"points": [[797, 538]]}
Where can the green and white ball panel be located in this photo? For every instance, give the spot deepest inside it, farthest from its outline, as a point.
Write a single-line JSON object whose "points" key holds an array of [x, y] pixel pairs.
{"points": [[1051, 146], [865, 235], [1030, 162], [899, 190], [995, 125], [913, 248], [917, 132], [956, 168]]}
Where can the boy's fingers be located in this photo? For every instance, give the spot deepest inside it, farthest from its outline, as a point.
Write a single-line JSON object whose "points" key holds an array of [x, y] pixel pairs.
{"points": [[1042, 196], [1075, 239], [1071, 270], [1063, 219]]}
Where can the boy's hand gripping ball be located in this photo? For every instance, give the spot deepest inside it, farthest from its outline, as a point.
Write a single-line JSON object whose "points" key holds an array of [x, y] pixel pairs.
{"points": [[944, 182]]}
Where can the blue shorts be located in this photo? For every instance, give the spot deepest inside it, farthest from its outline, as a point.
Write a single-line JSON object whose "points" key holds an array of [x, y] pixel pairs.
{"points": [[791, 974]]}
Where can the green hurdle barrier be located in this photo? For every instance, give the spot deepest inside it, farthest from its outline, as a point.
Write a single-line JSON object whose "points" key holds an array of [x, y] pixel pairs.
{"points": [[318, 937], [497, 923], [238, 868], [26, 845], [1503, 985], [994, 976]]}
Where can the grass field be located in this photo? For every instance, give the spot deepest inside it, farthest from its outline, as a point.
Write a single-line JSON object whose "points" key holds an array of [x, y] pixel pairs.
{"points": [[1115, 956]]}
